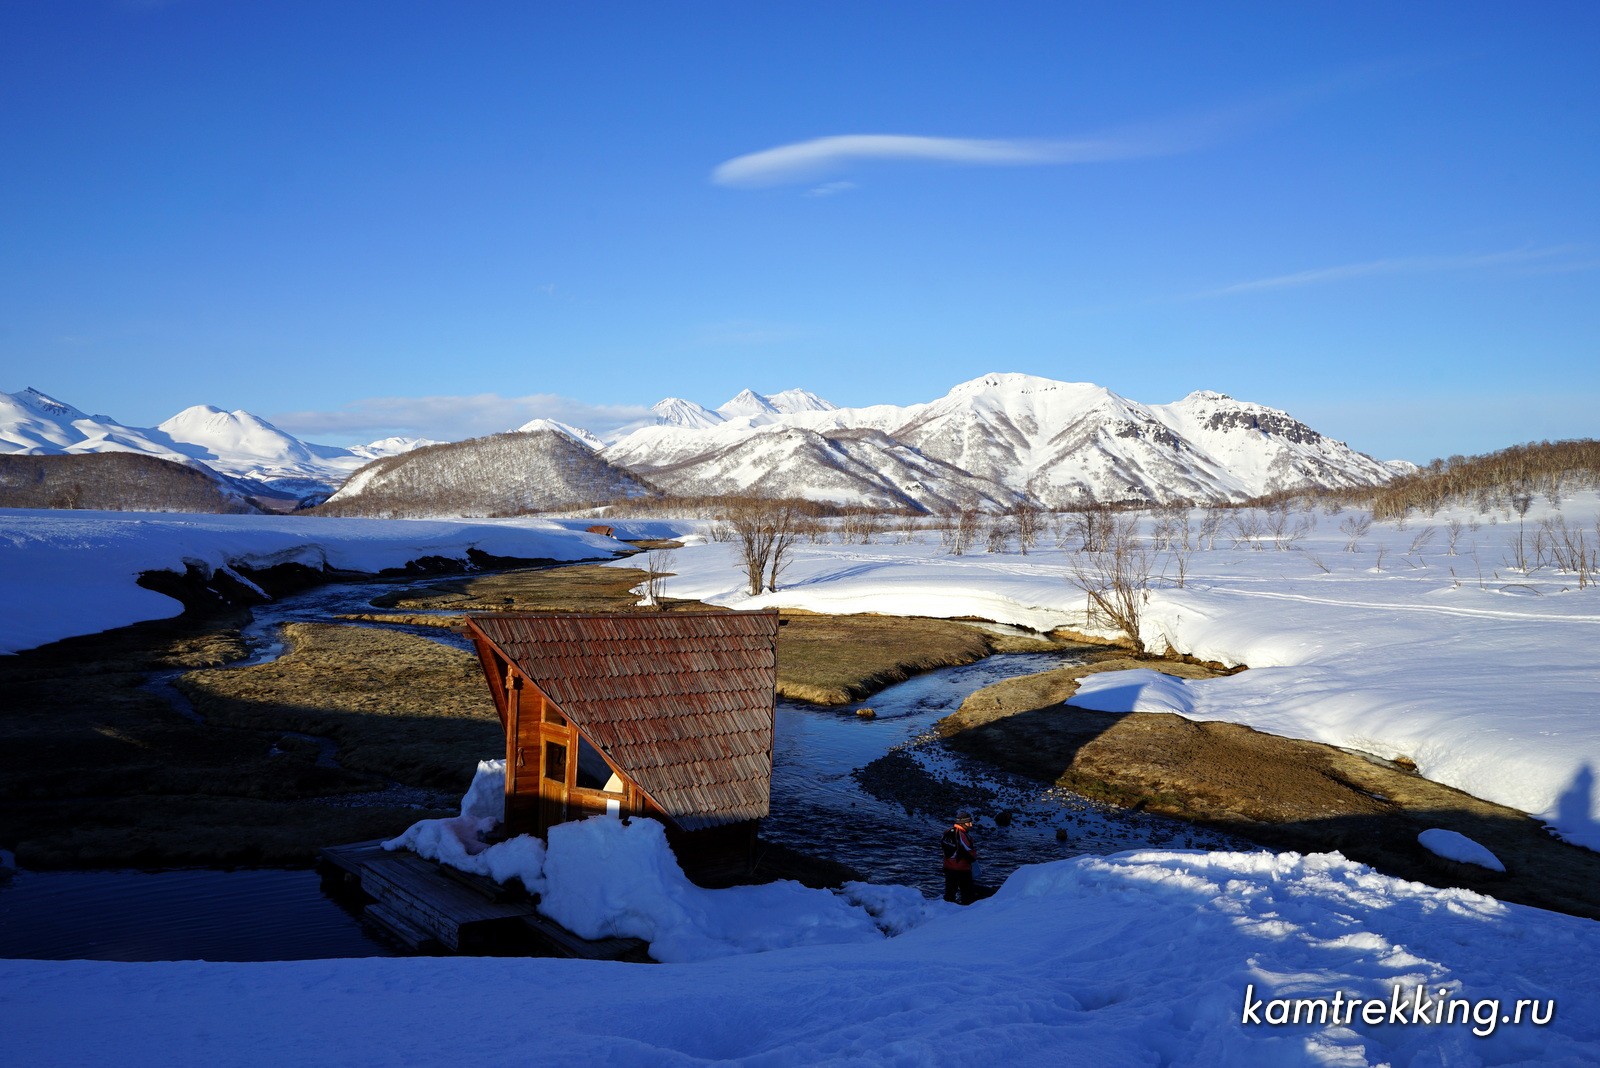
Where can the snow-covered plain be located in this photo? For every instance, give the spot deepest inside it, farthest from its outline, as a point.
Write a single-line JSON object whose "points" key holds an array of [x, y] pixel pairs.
{"points": [[64, 573], [1135, 958], [1484, 676]]}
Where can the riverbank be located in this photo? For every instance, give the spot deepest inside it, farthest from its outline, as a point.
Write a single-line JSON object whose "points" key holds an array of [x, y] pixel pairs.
{"points": [[354, 732], [1284, 793]]}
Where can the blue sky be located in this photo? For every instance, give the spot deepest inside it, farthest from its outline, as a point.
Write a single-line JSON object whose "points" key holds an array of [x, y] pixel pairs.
{"points": [[359, 219]]}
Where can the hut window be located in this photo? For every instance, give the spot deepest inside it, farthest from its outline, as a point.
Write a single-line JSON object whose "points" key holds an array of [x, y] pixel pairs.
{"points": [[593, 771], [552, 715], [555, 761]]}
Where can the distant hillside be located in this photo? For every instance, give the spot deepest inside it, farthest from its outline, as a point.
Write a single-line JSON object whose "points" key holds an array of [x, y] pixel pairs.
{"points": [[113, 482], [506, 474], [1541, 468]]}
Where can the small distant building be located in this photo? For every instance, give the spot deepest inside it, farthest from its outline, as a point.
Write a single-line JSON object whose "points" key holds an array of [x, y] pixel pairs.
{"points": [[666, 715], [601, 529]]}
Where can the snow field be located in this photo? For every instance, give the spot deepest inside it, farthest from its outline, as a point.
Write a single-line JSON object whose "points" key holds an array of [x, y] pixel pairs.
{"points": [[1136, 958], [64, 573], [1484, 676]]}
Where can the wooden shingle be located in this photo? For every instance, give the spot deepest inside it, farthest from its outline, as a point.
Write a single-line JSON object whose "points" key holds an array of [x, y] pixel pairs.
{"points": [[680, 702]]}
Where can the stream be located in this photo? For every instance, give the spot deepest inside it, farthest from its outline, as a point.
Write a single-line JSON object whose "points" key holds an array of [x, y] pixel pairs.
{"points": [[833, 795]]}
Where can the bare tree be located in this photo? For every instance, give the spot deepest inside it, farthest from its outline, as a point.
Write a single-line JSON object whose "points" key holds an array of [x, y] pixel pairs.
{"points": [[1091, 524], [1116, 579], [1026, 519], [765, 530], [964, 532], [1000, 533], [659, 564]]}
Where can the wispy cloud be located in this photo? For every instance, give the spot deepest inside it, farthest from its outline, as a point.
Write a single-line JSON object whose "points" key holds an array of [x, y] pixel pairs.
{"points": [[1189, 131], [807, 161], [449, 418], [1370, 268], [828, 189]]}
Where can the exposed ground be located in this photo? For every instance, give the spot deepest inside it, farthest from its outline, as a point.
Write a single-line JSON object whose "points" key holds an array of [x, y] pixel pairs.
{"points": [[339, 739], [97, 770], [822, 659], [1282, 792]]}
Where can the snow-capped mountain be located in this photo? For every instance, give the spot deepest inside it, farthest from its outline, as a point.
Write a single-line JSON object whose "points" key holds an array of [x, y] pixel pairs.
{"points": [[749, 408], [582, 437], [993, 440], [249, 454], [851, 467], [1007, 435]]}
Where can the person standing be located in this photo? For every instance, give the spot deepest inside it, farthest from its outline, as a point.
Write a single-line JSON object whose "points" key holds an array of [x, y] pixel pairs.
{"points": [[959, 853]]}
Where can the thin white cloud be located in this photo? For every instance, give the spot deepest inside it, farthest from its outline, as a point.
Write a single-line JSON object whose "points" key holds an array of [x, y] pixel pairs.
{"points": [[447, 418], [806, 161], [1400, 265], [828, 189], [1189, 131]]}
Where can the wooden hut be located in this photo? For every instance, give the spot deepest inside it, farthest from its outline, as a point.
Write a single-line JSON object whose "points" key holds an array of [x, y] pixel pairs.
{"points": [[667, 715]]}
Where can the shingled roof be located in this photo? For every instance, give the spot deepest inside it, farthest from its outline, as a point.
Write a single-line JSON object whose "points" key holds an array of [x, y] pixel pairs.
{"points": [[681, 702]]}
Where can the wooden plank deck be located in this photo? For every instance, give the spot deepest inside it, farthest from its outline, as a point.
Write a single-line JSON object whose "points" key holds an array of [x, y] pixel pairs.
{"points": [[434, 908]]}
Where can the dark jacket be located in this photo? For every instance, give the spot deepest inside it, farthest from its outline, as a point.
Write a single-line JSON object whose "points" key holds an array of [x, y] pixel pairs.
{"points": [[959, 851]]}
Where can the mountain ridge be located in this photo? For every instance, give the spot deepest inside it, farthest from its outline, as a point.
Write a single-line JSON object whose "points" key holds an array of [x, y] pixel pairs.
{"points": [[993, 441]]}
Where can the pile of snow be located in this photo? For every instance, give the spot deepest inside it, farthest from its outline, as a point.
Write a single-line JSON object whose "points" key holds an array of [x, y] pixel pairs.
{"points": [[1483, 676], [1453, 845], [1149, 957], [604, 878], [64, 573]]}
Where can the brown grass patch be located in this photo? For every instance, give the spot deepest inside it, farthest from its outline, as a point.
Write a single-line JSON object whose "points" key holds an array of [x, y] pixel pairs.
{"points": [[398, 706], [1283, 792], [834, 660], [578, 588]]}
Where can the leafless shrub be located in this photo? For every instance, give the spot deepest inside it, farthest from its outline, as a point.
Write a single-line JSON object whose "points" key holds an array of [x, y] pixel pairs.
{"points": [[1355, 527], [1091, 526], [1000, 533], [658, 564], [1116, 580], [1452, 530], [1382, 549], [1324, 568], [1026, 520], [908, 527], [1211, 526], [860, 527], [1247, 528], [1423, 539]]}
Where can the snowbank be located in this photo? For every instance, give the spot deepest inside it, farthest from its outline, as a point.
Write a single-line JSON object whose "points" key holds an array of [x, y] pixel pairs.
{"points": [[1483, 676], [1138, 958], [603, 878], [64, 573]]}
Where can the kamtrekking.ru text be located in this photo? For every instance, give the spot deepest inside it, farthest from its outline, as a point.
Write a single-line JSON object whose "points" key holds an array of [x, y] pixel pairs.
{"points": [[1405, 1005]]}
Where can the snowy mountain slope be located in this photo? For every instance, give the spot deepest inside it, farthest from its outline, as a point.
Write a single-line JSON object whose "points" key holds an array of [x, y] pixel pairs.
{"points": [[529, 471], [1266, 449], [748, 402], [251, 456], [582, 437], [850, 467], [990, 439], [794, 401]]}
